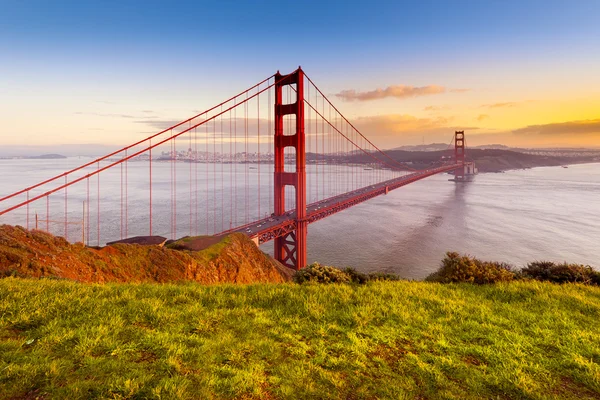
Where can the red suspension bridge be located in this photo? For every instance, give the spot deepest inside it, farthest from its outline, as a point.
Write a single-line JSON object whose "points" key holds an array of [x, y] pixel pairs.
{"points": [[268, 162]]}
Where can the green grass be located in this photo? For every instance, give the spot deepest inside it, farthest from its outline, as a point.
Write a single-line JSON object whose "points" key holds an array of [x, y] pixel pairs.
{"points": [[389, 340], [207, 254]]}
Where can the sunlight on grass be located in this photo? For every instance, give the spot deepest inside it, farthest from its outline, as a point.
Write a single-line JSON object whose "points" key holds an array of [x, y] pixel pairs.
{"points": [[399, 339]]}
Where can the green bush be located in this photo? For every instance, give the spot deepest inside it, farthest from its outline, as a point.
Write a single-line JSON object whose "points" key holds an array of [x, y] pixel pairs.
{"points": [[317, 273], [382, 276], [460, 268], [360, 278], [355, 276], [457, 268], [561, 273]]}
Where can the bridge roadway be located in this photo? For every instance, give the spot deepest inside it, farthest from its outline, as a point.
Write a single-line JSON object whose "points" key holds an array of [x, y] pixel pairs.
{"points": [[272, 227]]}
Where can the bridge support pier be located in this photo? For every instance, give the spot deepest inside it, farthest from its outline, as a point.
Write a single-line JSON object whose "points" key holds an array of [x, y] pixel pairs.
{"points": [[290, 249]]}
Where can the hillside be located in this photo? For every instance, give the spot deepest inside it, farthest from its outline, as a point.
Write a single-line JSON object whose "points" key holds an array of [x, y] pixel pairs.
{"points": [[487, 160], [386, 340], [234, 259]]}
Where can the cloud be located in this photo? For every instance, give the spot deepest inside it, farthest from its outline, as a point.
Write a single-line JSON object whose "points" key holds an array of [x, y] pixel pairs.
{"points": [[127, 116], [216, 128], [394, 125], [460, 90], [397, 129], [397, 91], [436, 108], [584, 127], [482, 117], [105, 115], [500, 105], [386, 130], [161, 124], [401, 122]]}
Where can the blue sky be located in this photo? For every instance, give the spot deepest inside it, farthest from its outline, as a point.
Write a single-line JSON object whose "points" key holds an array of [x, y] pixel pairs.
{"points": [[176, 57]]}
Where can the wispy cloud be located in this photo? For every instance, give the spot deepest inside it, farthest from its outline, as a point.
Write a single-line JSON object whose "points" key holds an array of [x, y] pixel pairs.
{"points": [[238, 126], [482, 117], [500, 105], [105, 115], [396, 91], [436, 108], [126, 116], [394, 125], [590, 126], [161, 123], [459, 90]]}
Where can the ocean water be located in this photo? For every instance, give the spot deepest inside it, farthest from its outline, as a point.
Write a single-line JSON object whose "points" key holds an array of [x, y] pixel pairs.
{"points": [[546, 213]]}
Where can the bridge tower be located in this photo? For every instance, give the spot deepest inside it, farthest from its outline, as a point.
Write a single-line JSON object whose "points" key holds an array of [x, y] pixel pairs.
{"points": [[459, 155], [290, 249]]}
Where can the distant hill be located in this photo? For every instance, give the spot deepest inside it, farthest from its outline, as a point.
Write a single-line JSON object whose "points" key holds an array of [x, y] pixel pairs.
{"points": [[444, 146], [46, 157], [68, 150], [487, 160], [423, 147], [495, 147]]}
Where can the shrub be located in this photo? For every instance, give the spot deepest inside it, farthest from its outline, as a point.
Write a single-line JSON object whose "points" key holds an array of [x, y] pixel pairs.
{"points": [[355, 276], [457, 268], [382, 276], [561, 273], [317, 273]]}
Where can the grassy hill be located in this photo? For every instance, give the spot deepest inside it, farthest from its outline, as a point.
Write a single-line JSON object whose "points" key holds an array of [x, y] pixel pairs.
{"points": [[421, 340]]}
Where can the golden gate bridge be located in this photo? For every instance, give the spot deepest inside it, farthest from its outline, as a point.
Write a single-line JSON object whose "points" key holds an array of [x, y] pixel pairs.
{"points": [[268, 162]]}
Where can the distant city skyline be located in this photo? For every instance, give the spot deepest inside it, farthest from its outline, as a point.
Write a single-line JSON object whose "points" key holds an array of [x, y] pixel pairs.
{"points": [[521, 74]]}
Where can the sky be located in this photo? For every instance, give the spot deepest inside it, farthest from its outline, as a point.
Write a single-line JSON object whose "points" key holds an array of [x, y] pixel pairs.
{"points": [[519, 73]]}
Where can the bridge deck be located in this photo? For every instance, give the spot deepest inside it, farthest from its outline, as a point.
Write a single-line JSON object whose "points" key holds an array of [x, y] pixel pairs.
{"points": [[273, 227]]}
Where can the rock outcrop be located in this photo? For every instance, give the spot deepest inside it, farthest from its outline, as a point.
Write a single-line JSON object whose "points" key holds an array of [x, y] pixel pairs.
{"points": [[233, 259], [143, 240]]}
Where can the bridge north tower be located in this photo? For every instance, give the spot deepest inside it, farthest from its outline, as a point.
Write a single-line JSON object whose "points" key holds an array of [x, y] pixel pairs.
{"points": [[467, 169], [459, 154]]}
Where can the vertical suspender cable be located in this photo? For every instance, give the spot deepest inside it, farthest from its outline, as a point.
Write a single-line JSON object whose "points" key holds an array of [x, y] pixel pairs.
{"points": [[231, 200], [258, 152], [189, 159], [150, 183], [235, 157], [66, 201], [175, 188], [88, 209], [221, 159], [214, 178], [206, 166], [196, 178], [126, 195], [98, 213], [246, 188], [121, 209]]}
